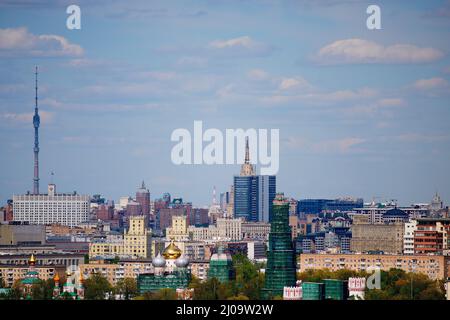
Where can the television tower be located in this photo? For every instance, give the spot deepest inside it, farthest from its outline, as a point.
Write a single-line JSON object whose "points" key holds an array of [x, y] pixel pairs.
{"points": [[36, 122]]}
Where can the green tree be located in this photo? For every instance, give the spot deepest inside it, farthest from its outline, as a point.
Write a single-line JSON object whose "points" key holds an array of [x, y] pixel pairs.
{"points": [[162, 294], [96, 287], [399, 285], [126, 287], [239, 297], [43, 290], [249, 281]]}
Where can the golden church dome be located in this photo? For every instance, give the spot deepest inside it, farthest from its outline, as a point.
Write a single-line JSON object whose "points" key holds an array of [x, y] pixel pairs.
{"points": [[56, 277], [172, 251], [32, 260]]}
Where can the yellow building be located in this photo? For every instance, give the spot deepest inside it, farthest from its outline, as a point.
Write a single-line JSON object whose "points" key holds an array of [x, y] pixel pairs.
{"points": [[434, 266], [116, 271], [179, 230], [135, 242], [11, 273]]}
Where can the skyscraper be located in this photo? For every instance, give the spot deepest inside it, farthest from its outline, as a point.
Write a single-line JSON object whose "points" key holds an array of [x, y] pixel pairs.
{"points": [[246, 197], [36, 122], [281, 262], [266, 194], [143, 198], [253, 194]]}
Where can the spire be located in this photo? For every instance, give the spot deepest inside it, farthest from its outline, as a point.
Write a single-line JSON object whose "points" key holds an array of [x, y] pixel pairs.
{"points": [[214, 201], [36, 122], [143, 185], [247, 151], [247, 168]]}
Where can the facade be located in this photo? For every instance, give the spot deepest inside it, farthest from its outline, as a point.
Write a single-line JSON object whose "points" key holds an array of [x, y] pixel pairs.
{"points": [[116, 271], [315, 206], [225, 229], [105, 212], [21, 234], [135, 242], [199, 269], [376, 212], [255, 230], [246, 197], [199, 217], [281, 265], [408, 237], [164, 217], [59, 208], [12, 273], [435, 267], [387, 238], [143, 198], [267, 186], [50, 259], [178, 231], [431, 236]]}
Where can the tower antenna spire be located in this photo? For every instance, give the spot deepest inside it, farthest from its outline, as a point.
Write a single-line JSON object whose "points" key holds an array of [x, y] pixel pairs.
{"points": [[36, 123], [247, 151], [214, 196]]}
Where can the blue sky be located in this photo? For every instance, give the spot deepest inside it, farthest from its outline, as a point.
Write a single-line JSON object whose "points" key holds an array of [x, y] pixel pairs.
{"points": [[361, 112]]}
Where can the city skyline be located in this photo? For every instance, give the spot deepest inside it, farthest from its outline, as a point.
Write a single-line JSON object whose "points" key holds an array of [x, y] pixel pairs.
{"points": [[348, 101]]}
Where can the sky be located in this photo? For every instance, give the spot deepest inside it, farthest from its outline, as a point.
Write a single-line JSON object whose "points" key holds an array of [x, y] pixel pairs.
{"points": [[362, 113]]}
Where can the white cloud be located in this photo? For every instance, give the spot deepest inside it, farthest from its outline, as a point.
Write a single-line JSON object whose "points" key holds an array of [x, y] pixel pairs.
{"points": [[364, 51], [241, 46], [391, 102], [18, 41], [245, 42], [321, 97], [432, 83], [294, 83]]}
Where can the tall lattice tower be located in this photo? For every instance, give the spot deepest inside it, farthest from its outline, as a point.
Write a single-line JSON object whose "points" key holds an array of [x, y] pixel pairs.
{"points": [[36, 123]]}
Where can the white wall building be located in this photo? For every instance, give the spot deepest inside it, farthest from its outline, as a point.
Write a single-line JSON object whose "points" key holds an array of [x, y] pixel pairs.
{"points": [[408, 237], [51, 208]]}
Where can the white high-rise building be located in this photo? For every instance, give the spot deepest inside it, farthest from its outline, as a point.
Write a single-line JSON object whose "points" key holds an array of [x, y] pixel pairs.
{"points": [[408, 237], [51, 208]]}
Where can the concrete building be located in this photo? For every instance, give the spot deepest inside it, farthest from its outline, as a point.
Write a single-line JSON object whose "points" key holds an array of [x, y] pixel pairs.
{"points": [[21, 234], [105, 212], [179, 230], [408, 237], [435, 267], [225, 230], [431, 236], [199, 269], [12, 273], [116, 271], [255, 230], [135, 242], [43, 259], [366, 237], [143, 198], [62, 208]]}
